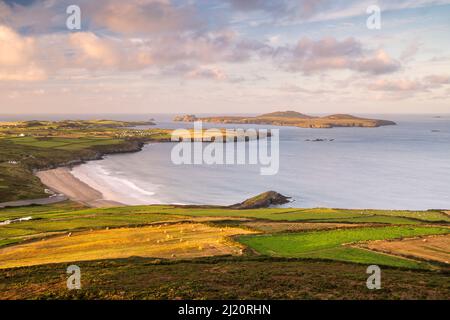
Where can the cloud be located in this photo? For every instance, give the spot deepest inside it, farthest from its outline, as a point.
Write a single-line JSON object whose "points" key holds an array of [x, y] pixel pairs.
{"points": [[17, 57], [99, 53], [379, 63], [326, 54], [398, 85], [42, 16], [143, 16], [407, 85], [212, 47], [92, 52], [438, 80], [213, 73], [321, 10], [410, 51], [114, 16], [298, 89], [137, 17]]}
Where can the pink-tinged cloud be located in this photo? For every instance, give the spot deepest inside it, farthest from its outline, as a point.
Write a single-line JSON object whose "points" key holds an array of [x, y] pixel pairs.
{"points": [[213, 73], [397, 85], [379, 63], [408, 85], [326, 54], [17, 57], [93, 52], [438, 80], [143, 16]]}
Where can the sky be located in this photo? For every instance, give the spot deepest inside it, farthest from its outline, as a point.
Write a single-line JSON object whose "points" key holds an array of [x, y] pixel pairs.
{"points": [[224, 56]]}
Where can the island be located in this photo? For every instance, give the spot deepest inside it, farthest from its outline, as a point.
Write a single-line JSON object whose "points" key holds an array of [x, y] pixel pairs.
{"points": [[293, 119]]}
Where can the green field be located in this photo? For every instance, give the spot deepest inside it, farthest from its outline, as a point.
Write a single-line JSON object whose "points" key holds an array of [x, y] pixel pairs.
{"points": [[314, 215], [64, 143], [330, 244]]}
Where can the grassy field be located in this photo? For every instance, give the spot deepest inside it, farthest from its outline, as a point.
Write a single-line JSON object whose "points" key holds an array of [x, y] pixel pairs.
{"points": [[281, 259], [170, 241], [300, 242], [70, 217], [63, 143], [334, 244], [319, 215]]}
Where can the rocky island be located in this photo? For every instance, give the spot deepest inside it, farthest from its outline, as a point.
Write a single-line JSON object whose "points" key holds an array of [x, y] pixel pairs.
{"points": [[293, 119]]}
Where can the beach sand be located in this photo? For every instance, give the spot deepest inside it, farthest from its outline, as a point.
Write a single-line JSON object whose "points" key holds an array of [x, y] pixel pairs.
{"points": [[62, 181]]}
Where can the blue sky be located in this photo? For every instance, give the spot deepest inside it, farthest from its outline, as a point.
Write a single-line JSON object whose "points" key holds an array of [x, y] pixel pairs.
{"points": [[211, 56]]}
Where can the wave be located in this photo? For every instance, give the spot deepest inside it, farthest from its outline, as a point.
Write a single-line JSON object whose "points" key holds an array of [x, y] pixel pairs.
{"points": [[116, 188]]}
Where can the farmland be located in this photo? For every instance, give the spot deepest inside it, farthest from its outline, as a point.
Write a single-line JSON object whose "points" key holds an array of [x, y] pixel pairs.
{"points": [[170, 241], [331, 244], [168, 252], [197, 252], [428, 248]]}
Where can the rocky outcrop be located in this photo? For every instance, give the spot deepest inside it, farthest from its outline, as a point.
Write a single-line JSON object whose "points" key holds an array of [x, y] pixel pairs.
{"points": [[264, 200]]}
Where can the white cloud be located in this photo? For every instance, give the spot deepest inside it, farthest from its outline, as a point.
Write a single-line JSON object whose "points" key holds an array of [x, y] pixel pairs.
{"points": [[17, 57], [408, 85], [328, 53]]}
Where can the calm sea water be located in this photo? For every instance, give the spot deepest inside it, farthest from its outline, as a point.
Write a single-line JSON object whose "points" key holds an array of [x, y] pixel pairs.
{"points": [[396, 167]]}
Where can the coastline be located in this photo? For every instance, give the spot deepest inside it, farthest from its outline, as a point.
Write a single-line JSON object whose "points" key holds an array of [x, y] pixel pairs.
{"points": [[61, 180]]}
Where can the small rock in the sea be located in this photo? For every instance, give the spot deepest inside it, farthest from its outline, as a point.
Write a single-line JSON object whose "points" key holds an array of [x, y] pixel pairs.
{"points": [[320, 140]]}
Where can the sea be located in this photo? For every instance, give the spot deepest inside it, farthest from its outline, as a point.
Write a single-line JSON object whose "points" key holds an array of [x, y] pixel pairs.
{"points": [[406, 166]]}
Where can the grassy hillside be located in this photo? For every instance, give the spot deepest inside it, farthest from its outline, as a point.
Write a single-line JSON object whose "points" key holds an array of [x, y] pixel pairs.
{"points": [[221, 278]]}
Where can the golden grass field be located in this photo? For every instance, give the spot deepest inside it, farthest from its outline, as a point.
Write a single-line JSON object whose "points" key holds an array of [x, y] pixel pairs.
{"points": [[170, 241], [435, 248]]}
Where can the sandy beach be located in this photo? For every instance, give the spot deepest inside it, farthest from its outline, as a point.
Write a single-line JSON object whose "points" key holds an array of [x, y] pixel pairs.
{"points": [[62, 181]]}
